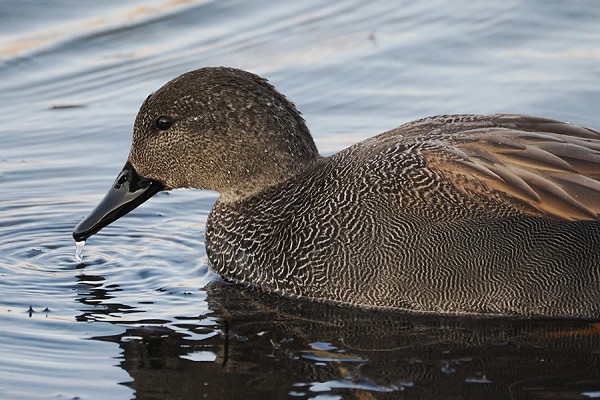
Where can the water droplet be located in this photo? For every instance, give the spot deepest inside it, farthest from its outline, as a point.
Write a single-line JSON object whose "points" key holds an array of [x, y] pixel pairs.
{"points": [[79, 250], [447, 369]]}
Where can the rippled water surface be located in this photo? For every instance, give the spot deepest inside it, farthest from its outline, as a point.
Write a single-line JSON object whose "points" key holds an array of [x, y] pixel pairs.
{"points": [[143, 316]]}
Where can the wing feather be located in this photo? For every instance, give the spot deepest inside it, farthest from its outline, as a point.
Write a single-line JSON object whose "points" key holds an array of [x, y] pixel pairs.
{"points": [[539, 166]]}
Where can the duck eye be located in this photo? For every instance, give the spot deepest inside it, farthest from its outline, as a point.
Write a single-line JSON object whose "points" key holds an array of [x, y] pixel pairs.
{"points": [[163, 123]]}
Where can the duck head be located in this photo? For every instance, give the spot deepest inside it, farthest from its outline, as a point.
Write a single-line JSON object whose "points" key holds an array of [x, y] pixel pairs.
{"points": [[220, 129]]}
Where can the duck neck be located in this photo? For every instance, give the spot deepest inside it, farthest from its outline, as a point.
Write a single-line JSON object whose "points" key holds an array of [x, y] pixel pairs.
{"points": [[250, 185]]}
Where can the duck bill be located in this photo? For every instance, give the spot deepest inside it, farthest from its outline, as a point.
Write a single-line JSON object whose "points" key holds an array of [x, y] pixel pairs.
{"points": [[129, 191]]}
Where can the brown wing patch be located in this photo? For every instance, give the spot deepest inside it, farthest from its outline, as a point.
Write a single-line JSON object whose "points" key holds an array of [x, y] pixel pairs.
{"points": [[554, 174]]}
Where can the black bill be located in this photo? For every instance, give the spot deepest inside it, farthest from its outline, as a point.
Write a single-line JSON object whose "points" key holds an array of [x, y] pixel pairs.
{"points": [[129, 191]]}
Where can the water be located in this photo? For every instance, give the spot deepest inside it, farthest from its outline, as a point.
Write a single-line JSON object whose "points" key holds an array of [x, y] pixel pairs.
{"points": [[142, 316], [79, 250]]}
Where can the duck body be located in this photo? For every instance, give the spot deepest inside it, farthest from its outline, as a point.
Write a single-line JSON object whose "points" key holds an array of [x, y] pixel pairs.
{"points": [[375, 226], [459, 214]]}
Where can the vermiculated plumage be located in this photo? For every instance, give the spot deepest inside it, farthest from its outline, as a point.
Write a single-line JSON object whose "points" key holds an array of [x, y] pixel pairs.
{"points": [[376, 225]]}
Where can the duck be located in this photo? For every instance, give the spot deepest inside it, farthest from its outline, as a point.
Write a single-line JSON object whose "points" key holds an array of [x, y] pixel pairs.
{"points": [[495, 215]]}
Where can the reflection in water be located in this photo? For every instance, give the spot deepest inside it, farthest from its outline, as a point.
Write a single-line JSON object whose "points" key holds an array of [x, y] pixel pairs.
{"points": [[99, 304], [254, 344]]}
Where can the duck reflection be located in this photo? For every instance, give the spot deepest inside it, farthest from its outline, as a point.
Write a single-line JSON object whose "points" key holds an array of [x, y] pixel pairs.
{"points": [[258, 345]]}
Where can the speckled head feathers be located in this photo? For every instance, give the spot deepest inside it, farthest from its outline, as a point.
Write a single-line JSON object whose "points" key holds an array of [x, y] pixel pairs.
{"points": [[221, 129]]}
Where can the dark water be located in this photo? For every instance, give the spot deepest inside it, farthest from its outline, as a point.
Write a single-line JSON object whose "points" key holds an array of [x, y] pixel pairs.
{"points": [[143, 316]]}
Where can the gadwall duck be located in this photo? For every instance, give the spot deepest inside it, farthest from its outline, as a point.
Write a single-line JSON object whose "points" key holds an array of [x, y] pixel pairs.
{"points": [[454, 214]]}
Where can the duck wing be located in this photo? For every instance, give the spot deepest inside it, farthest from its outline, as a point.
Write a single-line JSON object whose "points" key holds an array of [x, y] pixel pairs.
{"points": [[540, 166]]}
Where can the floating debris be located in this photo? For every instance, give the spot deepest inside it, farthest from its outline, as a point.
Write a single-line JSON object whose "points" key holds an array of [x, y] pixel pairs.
{"points": [[65, 106]]}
